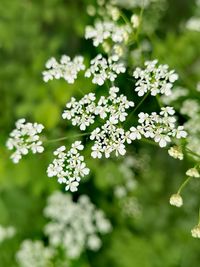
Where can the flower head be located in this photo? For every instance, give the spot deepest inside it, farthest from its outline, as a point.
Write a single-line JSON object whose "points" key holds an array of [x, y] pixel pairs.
{"points": [[69, 167], [176, 200], [25, 138], [156, 79], [193, 172], [102, 69], [74, 226], [66, 68], [175, 152]]}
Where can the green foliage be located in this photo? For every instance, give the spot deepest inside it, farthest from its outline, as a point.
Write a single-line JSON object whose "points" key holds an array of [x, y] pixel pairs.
{"points": [[30, 33]]}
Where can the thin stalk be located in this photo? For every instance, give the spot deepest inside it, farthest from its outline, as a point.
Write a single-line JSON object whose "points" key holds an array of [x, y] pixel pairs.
{"points": [[183, 185], [65, 138], [199, 218], [138, 105], [191, 152]]}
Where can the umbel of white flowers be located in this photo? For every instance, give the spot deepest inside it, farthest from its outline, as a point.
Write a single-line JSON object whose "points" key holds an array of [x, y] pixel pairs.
{"points": [[104, 30], [154, 79], [74, 226], [25, 138], [69, 166], [103, 69], [34, 254], [66, 69]]}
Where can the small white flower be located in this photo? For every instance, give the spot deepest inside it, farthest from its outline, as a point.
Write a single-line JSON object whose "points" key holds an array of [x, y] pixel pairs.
{"points": [[193, 172], [135, 20], [196, 231], [176, 200], [72, 186], [175, 152]]}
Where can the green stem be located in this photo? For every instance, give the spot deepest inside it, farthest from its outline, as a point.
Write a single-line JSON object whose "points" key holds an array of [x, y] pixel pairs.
{"points": [[183, 185], [149, 142], [199, 218], [65, 138], [138, 105], [158, 101], [191, 152]]}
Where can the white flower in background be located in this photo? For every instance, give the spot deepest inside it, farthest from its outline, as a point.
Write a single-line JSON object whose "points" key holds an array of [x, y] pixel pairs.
{"points": [[193, 172], [102, 69], [34, 254], [176, 94], [176, 152], [25, 138], [157, 79], [160, 127], [6, 233], [135, 20], [74, 226], [196, 231], [176, 200], [91, 10], [81, 112], [190, 107], [129, 4], [69, 167], [66, 68], [193, 24], [104, 30]]}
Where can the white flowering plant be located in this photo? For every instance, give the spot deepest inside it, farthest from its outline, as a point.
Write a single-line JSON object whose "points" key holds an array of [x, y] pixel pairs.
{"points": [[123, 113]]}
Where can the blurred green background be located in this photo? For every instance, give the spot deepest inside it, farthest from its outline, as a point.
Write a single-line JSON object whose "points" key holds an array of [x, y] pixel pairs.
{"points": [[156, 236]]}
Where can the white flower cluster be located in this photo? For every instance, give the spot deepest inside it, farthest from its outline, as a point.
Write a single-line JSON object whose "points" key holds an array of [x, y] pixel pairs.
{"points": [[34, 254], [110, 137], [81, 113], [115, 106], [66, 68], [157, 79], [25, 138], [160, 127], [107, 139], [74, 226], [103, 69], [6, 232], [104, 30], [69, 166]]}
